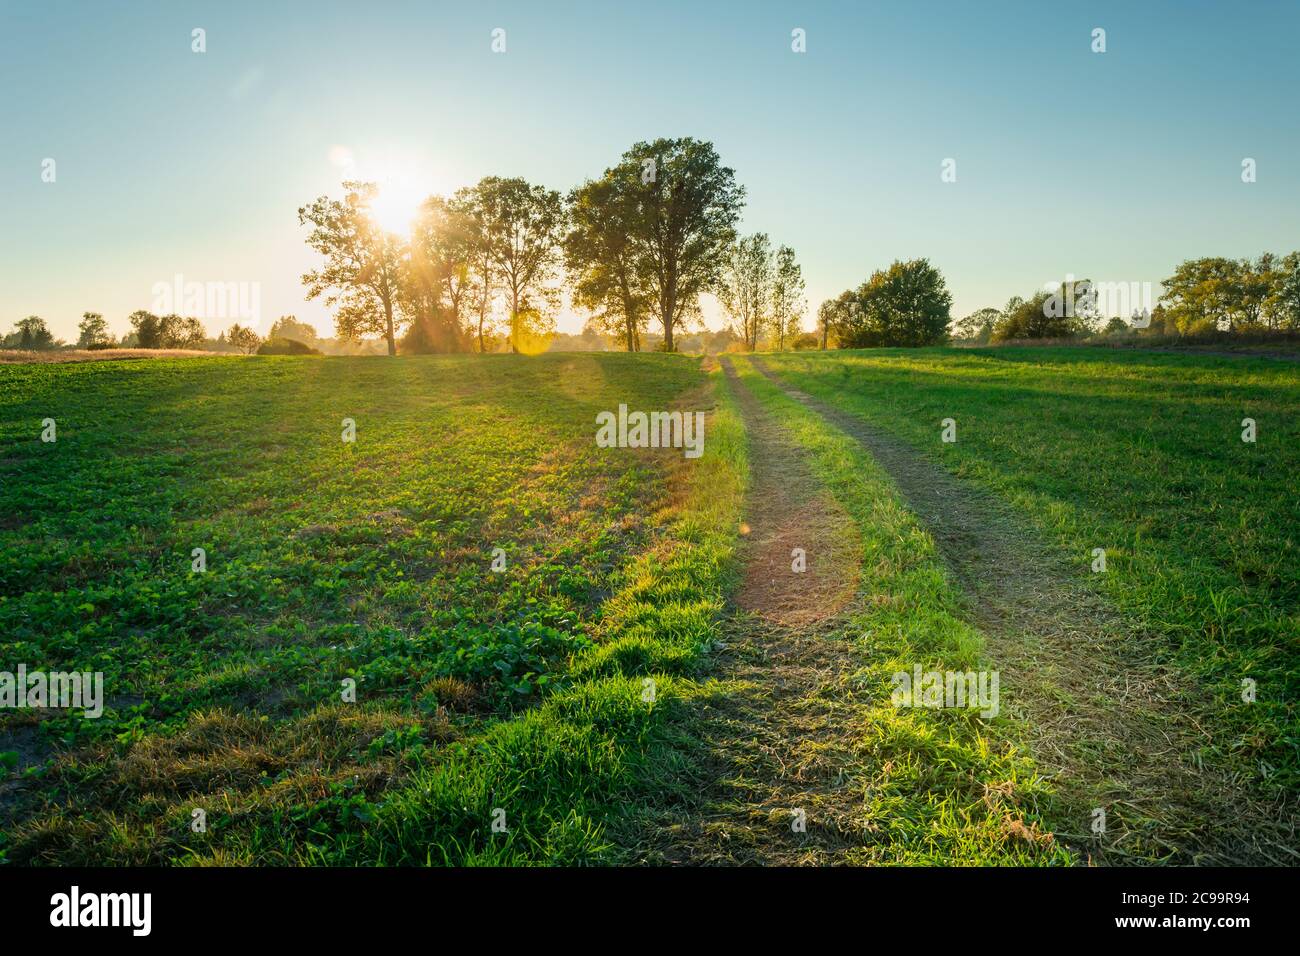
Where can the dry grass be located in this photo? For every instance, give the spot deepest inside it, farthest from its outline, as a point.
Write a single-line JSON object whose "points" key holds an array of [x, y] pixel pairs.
{"points": [[17, 357]]}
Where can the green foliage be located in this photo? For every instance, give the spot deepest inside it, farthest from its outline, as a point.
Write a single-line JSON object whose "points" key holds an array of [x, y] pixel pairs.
{"points": [[907, 304]]}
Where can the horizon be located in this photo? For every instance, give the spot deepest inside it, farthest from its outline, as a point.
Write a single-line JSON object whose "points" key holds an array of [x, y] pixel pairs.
{"points": [[174, 163]]}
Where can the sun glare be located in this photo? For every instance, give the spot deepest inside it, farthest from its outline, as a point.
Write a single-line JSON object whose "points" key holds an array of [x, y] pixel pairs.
{"points": [[396, 205]]}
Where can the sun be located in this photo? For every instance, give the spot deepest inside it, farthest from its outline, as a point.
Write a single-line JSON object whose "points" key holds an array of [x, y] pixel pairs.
{"points": [[396, 205]]}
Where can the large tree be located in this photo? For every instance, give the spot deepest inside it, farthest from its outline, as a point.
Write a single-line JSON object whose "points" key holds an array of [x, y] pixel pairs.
{"points": [[437, 280], [363, 268], [745, 284], [687, 207], [524, 228], [787, 296], [481, 283], [600, 255], [907, 304]]}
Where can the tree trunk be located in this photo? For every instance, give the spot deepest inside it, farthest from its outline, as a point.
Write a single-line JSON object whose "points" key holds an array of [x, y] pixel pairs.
{"points": [[388, 334], [514, 322]]}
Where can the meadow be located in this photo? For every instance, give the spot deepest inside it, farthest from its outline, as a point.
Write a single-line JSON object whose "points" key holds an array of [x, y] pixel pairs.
{"points": [[1142, 455], [471, 636]]}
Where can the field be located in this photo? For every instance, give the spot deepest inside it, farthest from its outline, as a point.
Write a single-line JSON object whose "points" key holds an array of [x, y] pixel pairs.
{"points": [[472, 636]]}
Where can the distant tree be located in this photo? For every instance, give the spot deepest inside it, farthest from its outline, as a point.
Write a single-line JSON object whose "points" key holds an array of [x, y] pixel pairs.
{"points": [[745, 284], [834, 317], [175, 332], [1286, 302], [288, 327], [363, 265], [1059, 313], [93, 331], [1212, 291], [244, 338], [145, 328], [31, 334], [788, 303], [524, 226], [907, 304], [688, 205], [600, 255], [976, 328]]}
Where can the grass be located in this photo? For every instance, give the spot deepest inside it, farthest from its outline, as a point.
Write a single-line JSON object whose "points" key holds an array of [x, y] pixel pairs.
{"points": [[549, 712], [520, 691], [1141, 455], [941, 786]]}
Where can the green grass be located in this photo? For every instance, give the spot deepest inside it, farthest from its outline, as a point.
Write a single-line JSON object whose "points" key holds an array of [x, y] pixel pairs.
{"points": [[369, 561], [944, 786], [1139, 454]]}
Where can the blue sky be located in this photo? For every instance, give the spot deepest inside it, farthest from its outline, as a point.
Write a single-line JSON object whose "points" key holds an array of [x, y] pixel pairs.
{"points": [[1114, 166]]}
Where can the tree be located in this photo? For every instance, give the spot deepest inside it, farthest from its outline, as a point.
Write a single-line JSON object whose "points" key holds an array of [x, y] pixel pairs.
{"points": [[288, 327], [976, 328], [145, 326], [437, 277], [363, 265], [174, 332], [834, 316], [93, 331], [907, 304], [787, 296], [745, 284], [687, 207], [524, 227], [1067, 309], [599, 253], [481, 278], [31, 334], [245, 339], [1286, 302]]}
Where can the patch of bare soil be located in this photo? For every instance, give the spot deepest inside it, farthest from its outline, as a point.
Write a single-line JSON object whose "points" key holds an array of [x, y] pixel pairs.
{"points": [[784, 727], [1111, 726]]}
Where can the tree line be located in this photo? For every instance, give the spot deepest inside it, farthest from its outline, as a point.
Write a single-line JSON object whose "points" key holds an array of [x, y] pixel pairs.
{"points": [[636, 247], [1209, 297]]}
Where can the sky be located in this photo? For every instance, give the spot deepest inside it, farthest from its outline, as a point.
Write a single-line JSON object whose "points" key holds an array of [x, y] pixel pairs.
{"points": [[1115, 166]]}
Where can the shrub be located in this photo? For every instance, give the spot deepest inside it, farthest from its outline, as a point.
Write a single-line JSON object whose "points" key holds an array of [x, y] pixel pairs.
{"points": [[286, 347]]}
